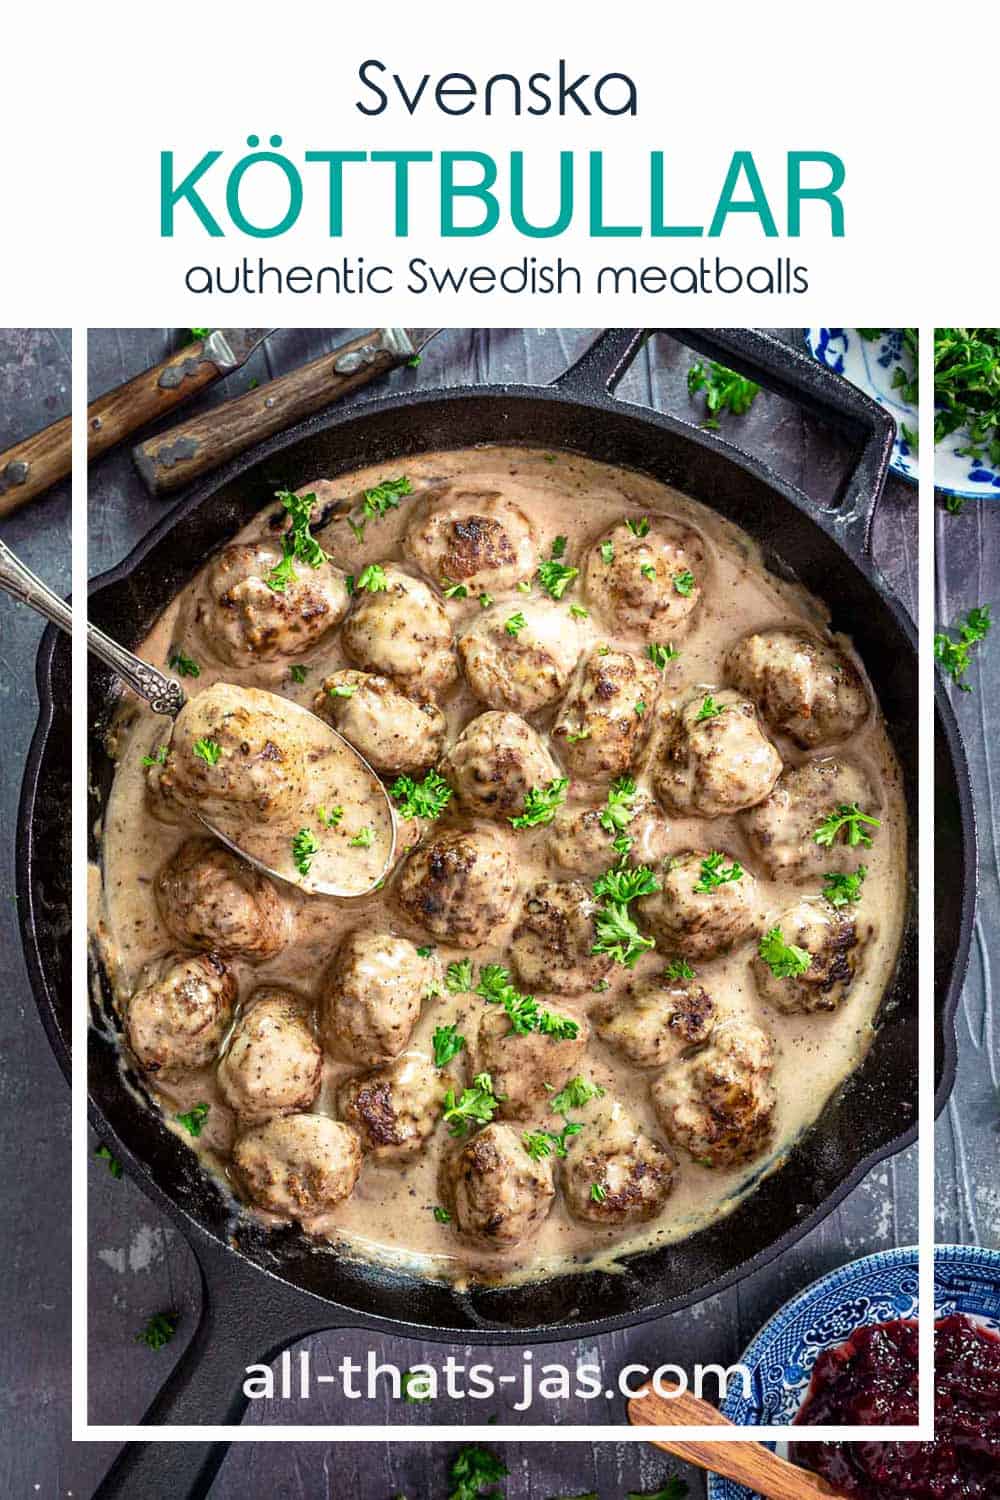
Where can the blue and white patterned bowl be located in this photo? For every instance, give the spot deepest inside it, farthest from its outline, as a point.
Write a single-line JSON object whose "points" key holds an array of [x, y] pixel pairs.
{"points": [[874, 1290], [869, 364]]}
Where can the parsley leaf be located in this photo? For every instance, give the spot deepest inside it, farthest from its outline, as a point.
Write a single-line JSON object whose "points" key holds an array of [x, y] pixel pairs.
{"points": [[373, 579], [846, 819], [184, 665], [554, 576], [298, 674], [343, 690], [660, 655], [638, 528], [709, 709], [618, 935], [598, 1193], [724, 389], [304, 846], [209, 751], [578, 612], [495, 988], [385, 496], [954, 650], [424, 799], [448, 1043], [844, 890], [578, 1092], [574, 739], [542, 1143], [515, 624], [454, 590], [541, 804], [458, 977], [283, 574], [476, 1106], [714, 874], [158, 1331], [157, 759], [677, 968], [194, 1120], [648, 571], [619, 811], [442, 1215], [331, 818], [625, 884], [114, 1165], [608, 551], [684, 583], [785, 960], [485, 600], [472, 1471], [363, 839]]}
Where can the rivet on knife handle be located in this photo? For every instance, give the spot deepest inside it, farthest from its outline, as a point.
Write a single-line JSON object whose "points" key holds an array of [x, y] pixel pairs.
{"points": [[192, 449]]}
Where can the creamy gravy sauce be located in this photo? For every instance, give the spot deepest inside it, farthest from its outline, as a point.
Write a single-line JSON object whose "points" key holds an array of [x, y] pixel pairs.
{"points": [[389, 1217]]}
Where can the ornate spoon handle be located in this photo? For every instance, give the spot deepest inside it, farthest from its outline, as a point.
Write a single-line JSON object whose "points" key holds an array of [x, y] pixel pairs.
{"points": [[162, 693]]}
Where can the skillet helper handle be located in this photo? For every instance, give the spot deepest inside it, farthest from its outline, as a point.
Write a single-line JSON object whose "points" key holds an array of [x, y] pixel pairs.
{"points": [[156, 392], [30, 468], [172, 459]]}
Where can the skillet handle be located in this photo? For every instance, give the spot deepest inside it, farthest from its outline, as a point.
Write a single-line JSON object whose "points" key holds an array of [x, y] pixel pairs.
{"points": [[788, 372], [247, 1318]]}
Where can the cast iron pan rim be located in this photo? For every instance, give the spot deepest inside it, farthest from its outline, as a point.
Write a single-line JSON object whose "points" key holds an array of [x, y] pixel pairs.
{"points": [[514, 392]]}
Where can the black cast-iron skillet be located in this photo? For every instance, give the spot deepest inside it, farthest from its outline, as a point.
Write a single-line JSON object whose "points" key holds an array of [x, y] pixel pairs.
{"points": [[264, 1289]]}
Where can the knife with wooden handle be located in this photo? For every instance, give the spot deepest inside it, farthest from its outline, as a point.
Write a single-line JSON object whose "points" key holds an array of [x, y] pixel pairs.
{"points": [[192, 449], [31, 467]]}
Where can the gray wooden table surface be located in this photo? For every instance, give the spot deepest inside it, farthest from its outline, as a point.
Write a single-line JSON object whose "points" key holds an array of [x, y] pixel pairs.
{"points": [[140, 1265]]}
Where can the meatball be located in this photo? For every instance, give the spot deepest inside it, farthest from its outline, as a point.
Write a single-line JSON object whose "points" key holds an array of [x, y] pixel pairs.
{"points": [[459, 887], [242, 618], [273, 1062], [472, 537], [298, 1165], [396, 1108], [402, 632], [178, 1014], [210, 898], [606, 716], [234, 752], [647, 582], [658, 1022], [371, 997], [526, 1068], [523, 667], [829, 938], [781, 831], [394, 734], [615, 1174], [697, 914], [581, 839], [497, 1193], [495, 762], [719, 1105], [804, 687], [714, 757], [552, 942]]}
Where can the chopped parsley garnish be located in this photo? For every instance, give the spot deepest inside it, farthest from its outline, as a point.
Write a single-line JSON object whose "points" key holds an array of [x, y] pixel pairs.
{"points": [[448, 1043], [523, 1012], [847, 819], [618, 935], [427, 951], [363, 839], [574, 739], [578, 612], [474, 1473], [640, 707], [541, 804], [684, 583], [184, 665], [954, 649], [515, 624], [677, 968], [159, 758], [542, 1143], [725, 390], [194, 1120], [597, 1192], [638, 528], [199, 333], [343, 690], [298, 542], [660, 655], [304, 846], [454, 590], [626, 883], [844, 890], [458, 977], [648, 571], [413, 1386], [608, 551], [714, 873], [283, 574], [442, 1215], [559, 545], [421, 799], [555, 576], [298, 674], [485, 599], [158, 1331], [210, 751], [476, 1105], [784, 960], [331, 818], [385, 496], [578, 1092], [373, 579], [619, 811], [709, 709], [114, 1165]]}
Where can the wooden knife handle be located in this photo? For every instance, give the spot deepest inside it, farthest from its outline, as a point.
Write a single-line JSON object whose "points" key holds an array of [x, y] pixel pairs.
{"points": [[156, 392], [31, 467], [186, 452]]}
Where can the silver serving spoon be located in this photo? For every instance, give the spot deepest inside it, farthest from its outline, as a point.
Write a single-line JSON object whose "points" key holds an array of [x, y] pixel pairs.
{"points": [[166, 696]]}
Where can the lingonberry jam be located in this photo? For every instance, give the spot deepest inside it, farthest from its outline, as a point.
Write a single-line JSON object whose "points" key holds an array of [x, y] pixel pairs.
{"points": [[872, 1379]]}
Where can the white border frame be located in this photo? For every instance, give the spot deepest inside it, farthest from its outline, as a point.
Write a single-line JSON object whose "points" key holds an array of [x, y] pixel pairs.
{"points": [[84, 1431]]}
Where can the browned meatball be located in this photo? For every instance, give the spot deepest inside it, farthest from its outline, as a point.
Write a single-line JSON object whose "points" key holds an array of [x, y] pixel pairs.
{"points": [[719, 1105], [396, 1108], [371, 998], [402, 632], [695, 914], [614, 1174], [459, 886], [782, 830], [471, 537], [648, 582], [804, 687], [714, 758], [521, 667], [209, 898], [581, 838], [394, 733], [242, 619], [658, 1021], [552, 942], [830, 940], [497, 1193], [298, 1165], [495, 762], [526, 1068], [273, 1062], [178, 1014], [605, 719]]}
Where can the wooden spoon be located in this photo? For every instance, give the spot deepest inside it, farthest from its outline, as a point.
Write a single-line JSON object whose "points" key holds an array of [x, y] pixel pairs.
{"points": [[747, 1462]]}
